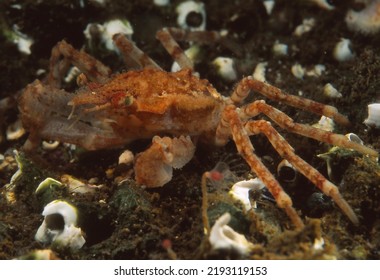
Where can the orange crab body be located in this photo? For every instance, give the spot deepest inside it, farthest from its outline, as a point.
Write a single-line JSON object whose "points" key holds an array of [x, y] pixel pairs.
{"points": [[142, 104]]}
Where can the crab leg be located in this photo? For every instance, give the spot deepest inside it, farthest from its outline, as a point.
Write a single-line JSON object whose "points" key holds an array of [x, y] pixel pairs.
{"points": [[247, 84], [169, 37], [167, 40], [287, 123], [133, 56], [203, 37], [246, 150], [91, 67], [287, 152]]}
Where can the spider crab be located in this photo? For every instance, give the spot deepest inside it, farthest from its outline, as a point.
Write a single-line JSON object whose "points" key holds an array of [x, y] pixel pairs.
{"points": [[174, 109]]}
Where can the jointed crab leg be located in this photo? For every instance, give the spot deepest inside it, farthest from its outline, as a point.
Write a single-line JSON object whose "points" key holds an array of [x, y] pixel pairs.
{"points": [[166, 38], [201, 37], [284, 121], [247, 84], [231, 118], [91, 67], [133, 56], [287, 152]]}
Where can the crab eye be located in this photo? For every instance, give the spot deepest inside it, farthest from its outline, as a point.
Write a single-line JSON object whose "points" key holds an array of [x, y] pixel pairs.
{"points": [[191, 15], [128, 101]]}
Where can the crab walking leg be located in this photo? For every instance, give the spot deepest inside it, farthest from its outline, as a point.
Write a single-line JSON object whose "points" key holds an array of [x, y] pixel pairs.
{"points": [[172, 47], [132, 55], [284, 121], [246, 150], [287, 152], [247, 84], [204, 37], [91, 67], [169, 37]]}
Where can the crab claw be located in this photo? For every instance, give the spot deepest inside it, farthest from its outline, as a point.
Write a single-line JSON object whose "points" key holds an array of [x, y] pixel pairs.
{"points": [[154, 167]]}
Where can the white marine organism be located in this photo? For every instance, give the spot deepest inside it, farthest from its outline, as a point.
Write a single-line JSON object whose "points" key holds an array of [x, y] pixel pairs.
{"points": [[72, 74], [161, 3], [22, 40], [191, 15], [325, 123], [331, 92], [15, 131], [342, 51], [306, 26], [319, 243], [107, 30], [240, 191], [286, 171], [59, 226], [269, 5], [126, 157], [373, 119], [259, 72], [47, 183], [223, 237], [298, 71], [280, 49], [353, 137], [366, 21], [50, 145], [225, 68], [316, 71], [323, 4]]}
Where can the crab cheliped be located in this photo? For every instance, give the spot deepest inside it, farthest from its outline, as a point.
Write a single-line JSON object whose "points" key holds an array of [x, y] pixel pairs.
{"points": [[175, 110]]}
